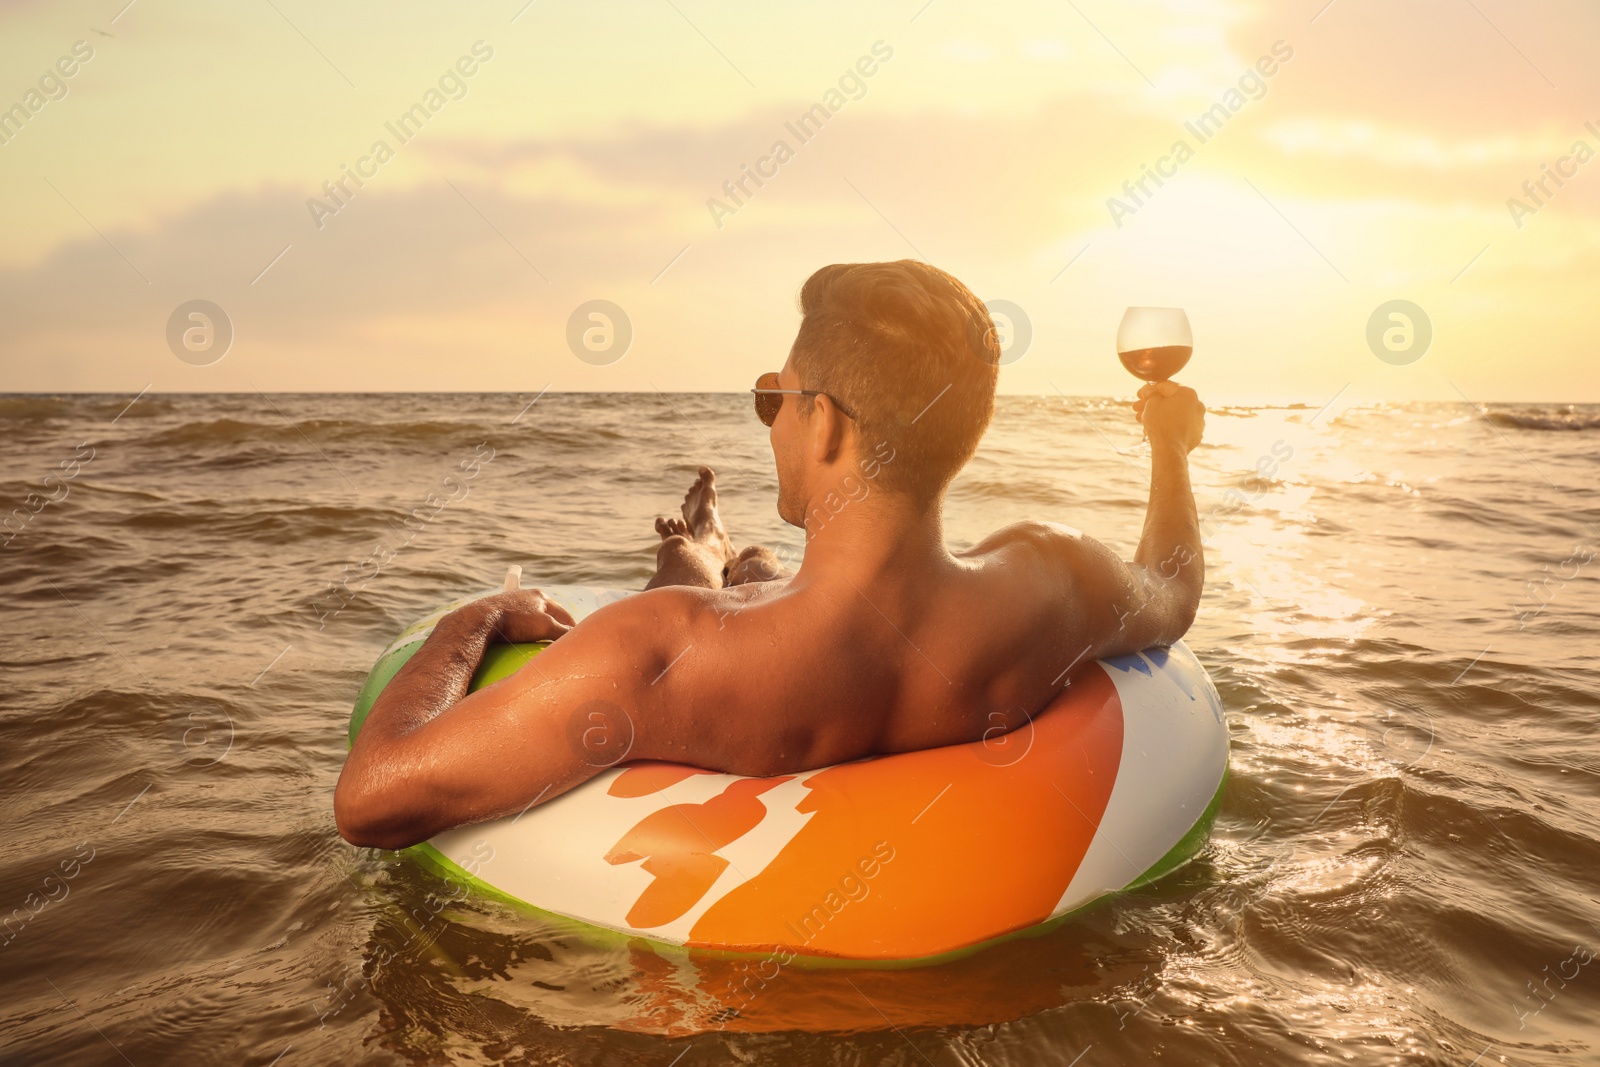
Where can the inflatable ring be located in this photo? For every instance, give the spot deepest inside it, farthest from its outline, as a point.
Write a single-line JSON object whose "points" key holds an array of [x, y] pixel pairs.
{"points": [[907, 857]]}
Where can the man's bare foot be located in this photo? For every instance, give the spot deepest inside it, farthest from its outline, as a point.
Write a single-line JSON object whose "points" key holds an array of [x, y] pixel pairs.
{"points": [[700, 519], [755, 563], [695, 550]]}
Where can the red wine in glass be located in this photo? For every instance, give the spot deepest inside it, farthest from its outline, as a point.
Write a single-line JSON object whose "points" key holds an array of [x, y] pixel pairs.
{"points": [[1154, 343]]}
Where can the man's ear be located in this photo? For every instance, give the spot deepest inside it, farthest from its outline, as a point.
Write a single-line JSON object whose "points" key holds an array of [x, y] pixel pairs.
{"points": [[827, 429]]}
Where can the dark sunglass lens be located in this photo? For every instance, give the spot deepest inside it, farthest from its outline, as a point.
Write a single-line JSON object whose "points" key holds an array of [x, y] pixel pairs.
{"points": [[767, 407], [768, 404]]}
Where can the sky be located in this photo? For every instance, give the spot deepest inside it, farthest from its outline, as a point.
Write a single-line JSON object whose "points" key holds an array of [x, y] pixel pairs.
{"points": [[1355, 154]]}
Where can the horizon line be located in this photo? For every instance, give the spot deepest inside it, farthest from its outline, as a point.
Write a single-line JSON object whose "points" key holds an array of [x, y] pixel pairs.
{"points": [[147, 391]]}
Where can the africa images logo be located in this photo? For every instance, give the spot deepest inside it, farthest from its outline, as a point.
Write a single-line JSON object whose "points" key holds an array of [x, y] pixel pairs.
{"points": [[452, 85], [1205, 127], [52, 85], [802, 129]]}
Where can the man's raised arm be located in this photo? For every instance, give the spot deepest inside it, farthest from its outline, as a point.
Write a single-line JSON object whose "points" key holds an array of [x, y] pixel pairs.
{"points": [[1170, 548], [1122, 607]]}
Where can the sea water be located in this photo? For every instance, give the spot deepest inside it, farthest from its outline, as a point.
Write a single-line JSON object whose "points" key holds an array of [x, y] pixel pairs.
{"points": [[1401, 614]]}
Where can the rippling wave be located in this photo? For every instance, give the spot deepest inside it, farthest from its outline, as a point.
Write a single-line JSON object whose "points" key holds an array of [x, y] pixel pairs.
{"points": [[1568, 419]]}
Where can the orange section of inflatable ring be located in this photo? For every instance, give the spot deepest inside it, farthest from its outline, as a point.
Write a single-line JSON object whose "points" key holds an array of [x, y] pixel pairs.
{"points": [[679, 844], [927, 852]]}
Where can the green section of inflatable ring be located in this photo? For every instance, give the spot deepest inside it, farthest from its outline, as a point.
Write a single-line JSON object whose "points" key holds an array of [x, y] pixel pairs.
{"points": [[502, 661], [499, 661]]}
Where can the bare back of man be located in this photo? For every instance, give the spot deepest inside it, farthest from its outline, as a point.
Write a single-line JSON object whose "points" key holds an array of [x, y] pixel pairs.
{"points": [[884, 641]]}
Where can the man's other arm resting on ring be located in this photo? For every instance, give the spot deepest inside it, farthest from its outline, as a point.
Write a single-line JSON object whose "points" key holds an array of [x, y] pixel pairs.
{"points": [[396, 786], [432, 756]]}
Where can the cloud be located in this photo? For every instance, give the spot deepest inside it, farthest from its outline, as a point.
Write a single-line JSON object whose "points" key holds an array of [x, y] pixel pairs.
{"points": [[1405, 148]]}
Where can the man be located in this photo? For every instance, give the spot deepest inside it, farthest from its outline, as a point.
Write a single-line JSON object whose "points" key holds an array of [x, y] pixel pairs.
{"points": [[883, 641]]}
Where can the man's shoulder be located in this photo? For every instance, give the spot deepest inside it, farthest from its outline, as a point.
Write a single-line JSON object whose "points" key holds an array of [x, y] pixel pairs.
{"points": [[1053, 539], [650, 612], [1064, 558], [630, 643], [664, 617]]}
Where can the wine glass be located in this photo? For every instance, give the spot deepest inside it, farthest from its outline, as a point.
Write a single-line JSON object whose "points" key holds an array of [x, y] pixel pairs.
{"points": [[1154, 343]]}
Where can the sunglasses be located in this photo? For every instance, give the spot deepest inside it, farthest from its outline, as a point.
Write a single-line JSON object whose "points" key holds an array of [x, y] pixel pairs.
{"points": [[769, 398]]}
